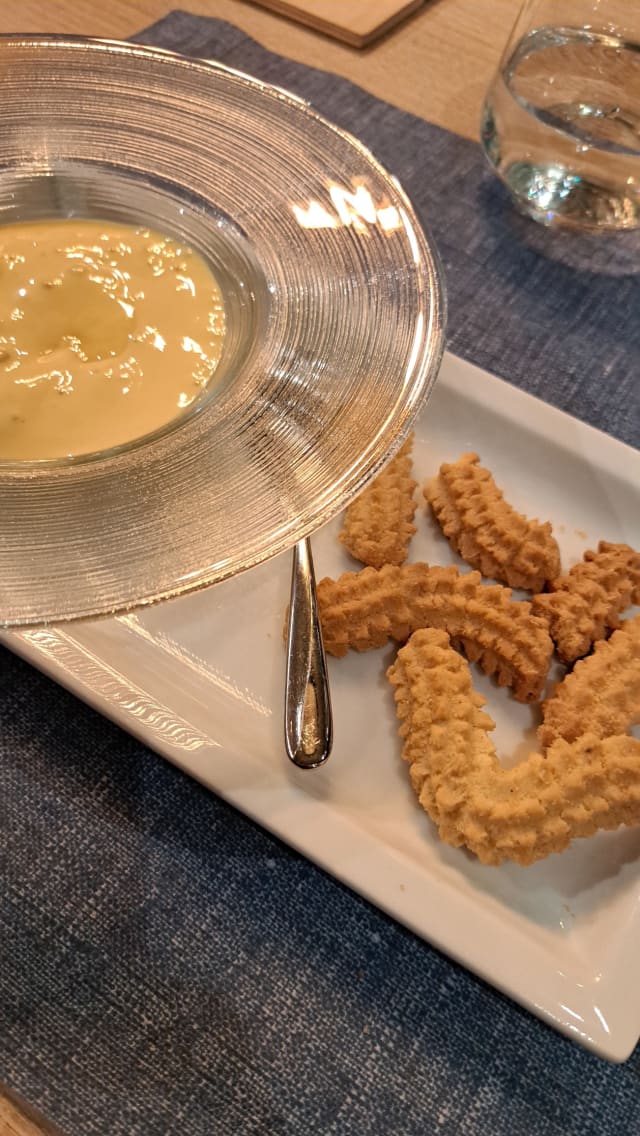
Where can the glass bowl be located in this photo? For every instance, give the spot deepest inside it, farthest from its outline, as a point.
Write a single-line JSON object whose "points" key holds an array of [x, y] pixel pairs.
{"points": [[334, 309]]}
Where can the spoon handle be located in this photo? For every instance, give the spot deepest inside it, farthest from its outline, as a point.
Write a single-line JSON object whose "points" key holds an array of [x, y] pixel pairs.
{"points": [[308, 722]]}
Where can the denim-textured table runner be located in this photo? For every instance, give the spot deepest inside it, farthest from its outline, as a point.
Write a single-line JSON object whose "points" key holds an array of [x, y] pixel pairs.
{"points": [[166, 966]]}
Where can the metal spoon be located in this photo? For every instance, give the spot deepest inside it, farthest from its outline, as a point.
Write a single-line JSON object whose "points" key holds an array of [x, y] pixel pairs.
{"points": [[308, 726]]}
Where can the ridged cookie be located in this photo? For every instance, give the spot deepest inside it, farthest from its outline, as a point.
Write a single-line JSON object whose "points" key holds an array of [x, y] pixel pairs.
{"points": [[583, 606], [378, 525], [486, 531], [601, 695], [363, 610], [521, 814]]}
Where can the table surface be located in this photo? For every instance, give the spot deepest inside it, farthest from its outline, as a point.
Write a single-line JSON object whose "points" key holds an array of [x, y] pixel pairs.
{"points": [[437, 64]]}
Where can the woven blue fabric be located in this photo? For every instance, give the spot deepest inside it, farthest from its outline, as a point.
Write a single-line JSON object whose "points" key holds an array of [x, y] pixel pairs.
{"points": [[165, 965]]}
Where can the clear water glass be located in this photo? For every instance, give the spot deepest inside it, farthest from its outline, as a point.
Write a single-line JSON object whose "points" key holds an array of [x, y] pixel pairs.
{"points": [[561, 120]]}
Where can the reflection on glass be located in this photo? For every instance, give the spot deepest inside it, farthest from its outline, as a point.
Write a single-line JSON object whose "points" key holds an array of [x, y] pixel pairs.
{"points": [[355, 207], [315, 216]]}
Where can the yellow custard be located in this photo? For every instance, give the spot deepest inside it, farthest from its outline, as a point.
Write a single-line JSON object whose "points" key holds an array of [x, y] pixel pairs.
{"points": [[107, 332]]}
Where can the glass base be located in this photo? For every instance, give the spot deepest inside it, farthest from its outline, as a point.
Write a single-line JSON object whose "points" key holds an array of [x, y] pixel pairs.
{"points": [[556, 192], [554, 195]]}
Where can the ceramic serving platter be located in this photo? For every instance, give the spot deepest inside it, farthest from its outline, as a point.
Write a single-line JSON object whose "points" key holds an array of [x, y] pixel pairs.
{"points": [[200, 679]]}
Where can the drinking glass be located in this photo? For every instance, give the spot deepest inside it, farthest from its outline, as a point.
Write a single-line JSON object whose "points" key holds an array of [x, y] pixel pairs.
{"points": [[561, 120]]}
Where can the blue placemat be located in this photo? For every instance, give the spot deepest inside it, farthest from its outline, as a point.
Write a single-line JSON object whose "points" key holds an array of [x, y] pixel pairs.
{"points": [[166, 966]]}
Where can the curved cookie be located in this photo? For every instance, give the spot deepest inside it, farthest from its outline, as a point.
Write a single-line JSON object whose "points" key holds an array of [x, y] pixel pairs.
{"points": [[486, 531], [585, 604], [362, 610], [601, 695], [378, 525], [519, 814]]}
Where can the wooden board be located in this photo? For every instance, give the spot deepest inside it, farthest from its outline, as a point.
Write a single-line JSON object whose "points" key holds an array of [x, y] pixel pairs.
{"points": [[20, 1120], [356, 22]]}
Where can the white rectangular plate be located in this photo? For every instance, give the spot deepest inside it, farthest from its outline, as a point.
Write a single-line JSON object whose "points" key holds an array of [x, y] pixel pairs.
{"points": [[200, 679]]}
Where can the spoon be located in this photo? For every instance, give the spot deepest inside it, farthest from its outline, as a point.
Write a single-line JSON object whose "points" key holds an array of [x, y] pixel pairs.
{"points": [[308, 726]]}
